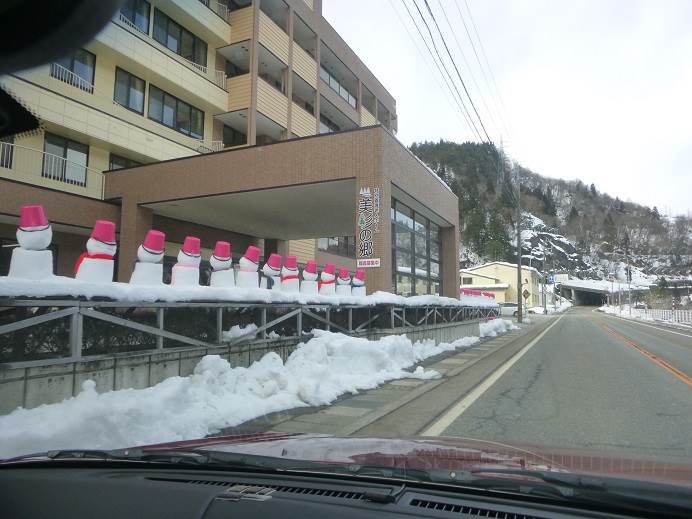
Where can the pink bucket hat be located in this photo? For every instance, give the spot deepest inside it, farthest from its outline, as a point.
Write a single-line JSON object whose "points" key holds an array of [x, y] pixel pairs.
{"points": [[274, 261], [291, 262], [252, 253], [360, 274], [192, 246], [311, 267], [154, 241], [32, 218], [222, 250], [329, 268], [104, 231]]}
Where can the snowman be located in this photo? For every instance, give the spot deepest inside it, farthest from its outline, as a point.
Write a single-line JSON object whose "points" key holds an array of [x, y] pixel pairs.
{"points": [[359, 283], [343, 283], [222, 266], [186, 271], [271, 273], [309, 283], [31, 260], [247, 276], [326, 284], [96, 264], [290, 281], [149, 267]]}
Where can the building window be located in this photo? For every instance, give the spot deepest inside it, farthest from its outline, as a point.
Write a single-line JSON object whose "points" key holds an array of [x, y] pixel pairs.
{"points": [[337, 87], [327, 125], [6, 151], [339, 245], [233, 137], [129, 91], [178, 39], [415, 252], [174, 113], [467, 281], [77, 69], [118, 162], [65, 160], [137, 13]]}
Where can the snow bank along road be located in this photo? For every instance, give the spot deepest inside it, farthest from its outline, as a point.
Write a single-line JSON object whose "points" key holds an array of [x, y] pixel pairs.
{"points": [[216, 395]]}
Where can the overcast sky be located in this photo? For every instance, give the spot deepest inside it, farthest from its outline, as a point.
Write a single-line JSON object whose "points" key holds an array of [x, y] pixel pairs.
{"points": [[599, 90]]}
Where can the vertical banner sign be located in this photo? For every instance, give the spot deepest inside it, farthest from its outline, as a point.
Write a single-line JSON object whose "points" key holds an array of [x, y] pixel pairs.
{"points": [[368, 224]]}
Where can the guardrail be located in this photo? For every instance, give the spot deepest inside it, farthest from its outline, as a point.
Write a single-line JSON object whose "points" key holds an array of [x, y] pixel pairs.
{"points": [[44, 332], [675, 316]]}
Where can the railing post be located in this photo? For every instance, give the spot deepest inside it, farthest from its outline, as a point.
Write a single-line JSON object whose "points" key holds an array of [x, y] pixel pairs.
{"points": [[391, 316], [159, 323], [76, 334], [219, 324], [299, 322], [350, 319], [264, 321], [328, 317]]}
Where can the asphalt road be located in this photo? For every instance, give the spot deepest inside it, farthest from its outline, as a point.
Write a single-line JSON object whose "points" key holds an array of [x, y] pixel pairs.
{"points": [[591, 381]]}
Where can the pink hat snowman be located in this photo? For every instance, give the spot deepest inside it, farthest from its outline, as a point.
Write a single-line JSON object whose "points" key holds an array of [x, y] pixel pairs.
{"points": [[309, 283], [358, 283], [327, 277], [34, 231], [186, 271], [290, 281], [343, 282], [96, 264], [149, 268], [271, 272], [247, 276]]}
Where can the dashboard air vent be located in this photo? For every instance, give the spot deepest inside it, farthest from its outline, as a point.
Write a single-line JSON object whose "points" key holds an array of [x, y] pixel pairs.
{"points": [[468, 510]]}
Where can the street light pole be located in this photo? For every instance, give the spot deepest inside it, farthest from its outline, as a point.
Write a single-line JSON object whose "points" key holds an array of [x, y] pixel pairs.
{"points": [[519, 284]]}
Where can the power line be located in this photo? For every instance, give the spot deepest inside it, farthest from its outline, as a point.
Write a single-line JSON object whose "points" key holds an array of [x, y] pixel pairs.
{"points": [[480, 120], [480, 65], [427, 64], [485, 57], [444, 66], [463, 57]]}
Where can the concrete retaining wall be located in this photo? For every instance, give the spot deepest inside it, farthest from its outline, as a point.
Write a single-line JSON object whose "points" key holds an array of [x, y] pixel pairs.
{"points": [[31, 387]]}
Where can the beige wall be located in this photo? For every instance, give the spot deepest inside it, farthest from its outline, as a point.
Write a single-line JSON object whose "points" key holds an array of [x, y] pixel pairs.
{"points": [[508, 274]]}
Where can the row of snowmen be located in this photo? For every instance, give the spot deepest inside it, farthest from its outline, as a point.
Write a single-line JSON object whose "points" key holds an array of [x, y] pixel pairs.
{"points": [[33, 260]]}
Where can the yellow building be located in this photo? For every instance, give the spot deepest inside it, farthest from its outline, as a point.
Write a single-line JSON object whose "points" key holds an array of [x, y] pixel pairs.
{"points": [[500, 278], [167, 79]]}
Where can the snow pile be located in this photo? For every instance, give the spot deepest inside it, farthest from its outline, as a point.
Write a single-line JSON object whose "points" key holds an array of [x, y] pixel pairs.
{"points": [[239, 331], [216, 395], [496, 326], [59, 286], [560, 307]]}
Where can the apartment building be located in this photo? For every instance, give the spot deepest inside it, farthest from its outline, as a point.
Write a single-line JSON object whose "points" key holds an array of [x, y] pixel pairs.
{"points": [[173, 79]]}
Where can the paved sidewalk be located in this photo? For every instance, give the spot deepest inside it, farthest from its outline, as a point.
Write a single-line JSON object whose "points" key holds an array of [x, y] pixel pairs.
{"points": [[351, 413]]}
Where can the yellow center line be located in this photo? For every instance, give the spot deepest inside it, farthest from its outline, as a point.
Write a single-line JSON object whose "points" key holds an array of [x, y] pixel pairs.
{"points": [[681, 375]]}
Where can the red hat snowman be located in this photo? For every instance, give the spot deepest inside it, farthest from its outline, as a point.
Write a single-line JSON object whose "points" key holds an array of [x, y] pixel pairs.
{"points": [[358, 283], [222, 265], [247, 276], [186, 271], [271, 272], [309, 283], [32, 260], [290, 282], [148, 268], [96, 264], [327, 280], [343, 282]]}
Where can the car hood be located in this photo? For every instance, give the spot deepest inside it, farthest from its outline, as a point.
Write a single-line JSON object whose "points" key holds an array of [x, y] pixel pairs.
{"points": [[444, 453]]}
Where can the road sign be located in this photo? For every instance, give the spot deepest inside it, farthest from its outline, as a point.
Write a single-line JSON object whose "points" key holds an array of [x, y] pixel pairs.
{"points": [[551, 279], [526, 294]]}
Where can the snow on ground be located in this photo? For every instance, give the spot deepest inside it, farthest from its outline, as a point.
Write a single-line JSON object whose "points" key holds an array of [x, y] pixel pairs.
{"points": [[557, 309], [64, 286], [217, 395]]}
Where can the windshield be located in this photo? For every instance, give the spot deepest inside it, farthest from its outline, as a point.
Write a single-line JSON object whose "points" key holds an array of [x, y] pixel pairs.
{"points": [[427, 236]]}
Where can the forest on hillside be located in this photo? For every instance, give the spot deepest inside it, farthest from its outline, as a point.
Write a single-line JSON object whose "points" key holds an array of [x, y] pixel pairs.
{"points": [[598, 225]]}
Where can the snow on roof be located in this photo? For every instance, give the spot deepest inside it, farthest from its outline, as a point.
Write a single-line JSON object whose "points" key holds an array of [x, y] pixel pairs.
{"points": [[602, 285], [490, 286], [505, 264], [467, 271]]}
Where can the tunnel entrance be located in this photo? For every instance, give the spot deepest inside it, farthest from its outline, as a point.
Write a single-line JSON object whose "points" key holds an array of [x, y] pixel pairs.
{"points": [[586, 298]]}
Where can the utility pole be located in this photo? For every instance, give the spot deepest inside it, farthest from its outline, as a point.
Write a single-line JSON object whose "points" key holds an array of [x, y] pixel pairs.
{"points": [[628, 272], [520, 309]]}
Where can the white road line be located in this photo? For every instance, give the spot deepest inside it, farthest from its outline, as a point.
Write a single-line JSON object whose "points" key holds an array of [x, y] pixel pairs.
{"points": [[438, 427], [661, 328]]}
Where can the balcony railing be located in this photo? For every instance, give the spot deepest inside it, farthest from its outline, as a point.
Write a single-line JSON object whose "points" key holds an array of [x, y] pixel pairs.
{"points": [[69, 77], [38, 167], [217, 7], [218, 78]]}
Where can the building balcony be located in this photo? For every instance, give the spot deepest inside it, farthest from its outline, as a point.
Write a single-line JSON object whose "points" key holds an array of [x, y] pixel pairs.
{"points": [[304, 65], [366, 118], [273, 37], [36, 167], [129, 41], [208, 19], [242, 24], [302, 123], [272, 103], [240, 92], [64, 100]]}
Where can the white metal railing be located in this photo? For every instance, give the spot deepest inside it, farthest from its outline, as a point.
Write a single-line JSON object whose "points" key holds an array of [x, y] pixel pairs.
{"points": [[656, 314], [67, 76], [218, 8], [202, 70], [209, 146], [220, 78], [31, 164]]}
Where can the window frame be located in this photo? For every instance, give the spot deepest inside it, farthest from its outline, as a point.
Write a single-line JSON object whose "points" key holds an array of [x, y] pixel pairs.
{"points": [[65, 147], [134, 4], [177, 103], [130, 162], [130, 77], [71, 68], [182, 31]]}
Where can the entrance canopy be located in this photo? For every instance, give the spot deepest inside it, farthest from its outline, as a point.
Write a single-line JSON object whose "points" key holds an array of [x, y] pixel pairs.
{"points": [[300, 211]]}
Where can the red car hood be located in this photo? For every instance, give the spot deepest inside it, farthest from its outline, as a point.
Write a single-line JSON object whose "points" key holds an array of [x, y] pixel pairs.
{"points": [[444, 453]]}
